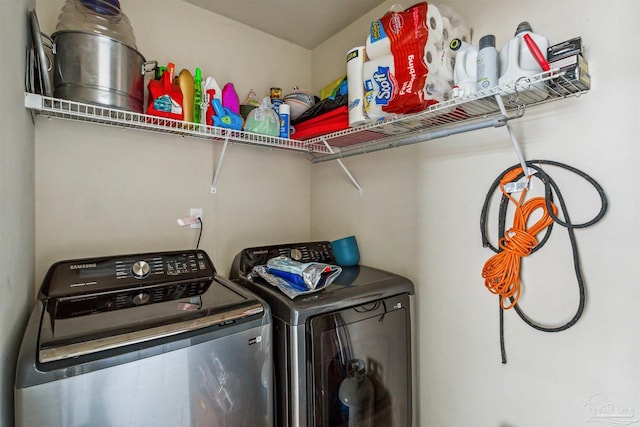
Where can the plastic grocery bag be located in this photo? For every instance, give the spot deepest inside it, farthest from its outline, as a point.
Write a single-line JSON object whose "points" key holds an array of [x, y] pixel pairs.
{"points": [[294, 278], [263, 120]]}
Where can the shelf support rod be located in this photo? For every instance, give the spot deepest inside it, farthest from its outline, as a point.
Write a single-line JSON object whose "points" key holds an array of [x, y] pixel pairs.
{"points": [[217, 172], [398, 141], [344, 168], [514, 142]]}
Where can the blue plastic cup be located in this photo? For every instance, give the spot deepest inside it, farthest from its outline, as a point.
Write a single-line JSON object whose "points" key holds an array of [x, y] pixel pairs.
{"points": [[345, 251]]}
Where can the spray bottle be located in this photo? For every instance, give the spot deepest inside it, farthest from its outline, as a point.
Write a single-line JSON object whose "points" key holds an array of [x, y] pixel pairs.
{"points": [[197, 96], [210, 90]]}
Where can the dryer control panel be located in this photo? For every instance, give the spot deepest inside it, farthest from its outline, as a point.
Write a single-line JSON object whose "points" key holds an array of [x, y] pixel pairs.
{"points": [[301, 252]]}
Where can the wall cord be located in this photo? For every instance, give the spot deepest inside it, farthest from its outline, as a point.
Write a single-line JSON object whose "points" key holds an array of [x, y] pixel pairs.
{"points": [[551, 191], [199, 234]]}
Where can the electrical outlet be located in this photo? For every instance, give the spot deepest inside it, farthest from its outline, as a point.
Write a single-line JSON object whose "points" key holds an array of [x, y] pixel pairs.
{"points": [[197, 212]]}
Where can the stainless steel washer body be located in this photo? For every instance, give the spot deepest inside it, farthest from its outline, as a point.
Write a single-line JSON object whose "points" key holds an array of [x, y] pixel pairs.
{"points": [[145, 340]]}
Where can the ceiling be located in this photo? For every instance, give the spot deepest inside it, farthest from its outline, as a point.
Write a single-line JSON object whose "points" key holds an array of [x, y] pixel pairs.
{"points": [[306, 23]]}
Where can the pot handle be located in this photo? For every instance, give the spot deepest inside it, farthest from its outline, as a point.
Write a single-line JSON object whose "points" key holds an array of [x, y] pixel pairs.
{"points": [[43, 60], [153, 68]]}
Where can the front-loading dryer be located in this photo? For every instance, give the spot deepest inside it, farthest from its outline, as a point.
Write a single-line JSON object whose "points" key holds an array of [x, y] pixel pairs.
{"points": [[343, 354]]}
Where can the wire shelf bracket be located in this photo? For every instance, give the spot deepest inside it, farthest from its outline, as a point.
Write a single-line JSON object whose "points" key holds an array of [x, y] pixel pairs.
{"points": [[216, 174]]}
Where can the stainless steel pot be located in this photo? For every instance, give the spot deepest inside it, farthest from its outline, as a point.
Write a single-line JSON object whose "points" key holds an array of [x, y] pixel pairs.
{"points": [[96, 69]]}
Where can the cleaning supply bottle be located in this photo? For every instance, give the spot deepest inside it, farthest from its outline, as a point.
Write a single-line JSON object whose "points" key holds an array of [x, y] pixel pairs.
{"points": [[284, 112], [487, 63], [230, 98], [210, 90], [197, 96], [464, 69], [185, 82], [165, 98], [516, 59]]}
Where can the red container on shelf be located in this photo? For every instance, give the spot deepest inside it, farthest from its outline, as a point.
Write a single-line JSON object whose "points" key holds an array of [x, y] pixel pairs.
{"points": [[165, 98]]}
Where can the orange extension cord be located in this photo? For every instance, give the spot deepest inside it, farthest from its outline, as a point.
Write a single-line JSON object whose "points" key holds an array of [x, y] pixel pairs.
{"points": [[501, 272]]}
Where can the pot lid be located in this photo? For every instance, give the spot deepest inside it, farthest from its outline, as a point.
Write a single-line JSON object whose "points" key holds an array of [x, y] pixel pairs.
{"points": [[100, 17]]}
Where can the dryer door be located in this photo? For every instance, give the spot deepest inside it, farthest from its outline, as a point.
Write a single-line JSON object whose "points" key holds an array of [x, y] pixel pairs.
{"points": [[361, 359]]}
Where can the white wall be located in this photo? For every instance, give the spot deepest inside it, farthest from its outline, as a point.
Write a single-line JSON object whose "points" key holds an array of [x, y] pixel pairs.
{"points": [[16, 198], [420, 216], [105, 191]]}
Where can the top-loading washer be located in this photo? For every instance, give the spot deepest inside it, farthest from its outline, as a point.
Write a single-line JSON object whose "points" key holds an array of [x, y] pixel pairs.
{"points": [[342, 355], [155, 339]]}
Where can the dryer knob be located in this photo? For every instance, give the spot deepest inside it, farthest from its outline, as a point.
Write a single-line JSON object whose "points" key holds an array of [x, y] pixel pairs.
{"points": [[296, 254], [140, 298], [140, 269]]}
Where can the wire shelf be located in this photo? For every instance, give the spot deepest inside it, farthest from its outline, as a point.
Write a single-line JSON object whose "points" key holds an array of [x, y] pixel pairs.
{"points": [[517, 96], [96, 114], [527, 91]]}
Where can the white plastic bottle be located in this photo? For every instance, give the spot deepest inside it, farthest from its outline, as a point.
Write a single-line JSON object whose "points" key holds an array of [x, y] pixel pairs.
{"points": [[464, 69], [487, 63], [516, 59], [284, 112]]}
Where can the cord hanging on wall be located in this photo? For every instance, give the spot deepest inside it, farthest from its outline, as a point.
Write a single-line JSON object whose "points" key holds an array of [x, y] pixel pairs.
{"points": [[189, 220], [502, 272]]}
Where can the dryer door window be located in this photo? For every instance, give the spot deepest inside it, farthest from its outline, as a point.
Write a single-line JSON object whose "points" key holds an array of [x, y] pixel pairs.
{"points": [[361, 359]]}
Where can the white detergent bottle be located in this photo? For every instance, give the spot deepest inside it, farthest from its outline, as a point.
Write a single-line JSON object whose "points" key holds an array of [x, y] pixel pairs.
{"points": [[209, 88], [464, 69], [516, 59], [487, 63]]}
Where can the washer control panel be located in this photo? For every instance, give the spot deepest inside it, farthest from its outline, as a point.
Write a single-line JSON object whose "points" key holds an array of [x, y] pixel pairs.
{"points": [[86, 286]]}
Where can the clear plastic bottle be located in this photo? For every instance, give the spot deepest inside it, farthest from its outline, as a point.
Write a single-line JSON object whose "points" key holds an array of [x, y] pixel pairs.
{"points": [[487, 64]]}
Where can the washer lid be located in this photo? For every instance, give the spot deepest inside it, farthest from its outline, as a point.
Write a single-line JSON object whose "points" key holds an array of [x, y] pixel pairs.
{"points": [[96, 304], [72, 337]]}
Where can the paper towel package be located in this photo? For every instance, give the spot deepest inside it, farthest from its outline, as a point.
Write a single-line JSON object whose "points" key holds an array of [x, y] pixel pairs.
{"points": [[410, 65], [355, 86], [395, 76]]}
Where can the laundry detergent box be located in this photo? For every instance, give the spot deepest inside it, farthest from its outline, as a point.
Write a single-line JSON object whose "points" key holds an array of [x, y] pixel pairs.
{"points": [[575, 69]]}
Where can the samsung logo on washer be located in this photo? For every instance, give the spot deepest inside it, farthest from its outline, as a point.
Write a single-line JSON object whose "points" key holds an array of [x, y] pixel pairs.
{"points": [[82, 266]]}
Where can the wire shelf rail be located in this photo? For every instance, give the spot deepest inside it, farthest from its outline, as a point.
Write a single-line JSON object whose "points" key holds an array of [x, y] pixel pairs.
{"points": [[458, 114]]}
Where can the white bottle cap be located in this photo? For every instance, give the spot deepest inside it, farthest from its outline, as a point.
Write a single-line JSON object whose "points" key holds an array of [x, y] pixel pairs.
{"points": [[284, 108]]}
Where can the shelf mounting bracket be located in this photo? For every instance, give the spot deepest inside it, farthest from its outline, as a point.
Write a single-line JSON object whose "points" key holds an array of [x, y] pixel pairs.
{"points": [[514, 142], [344, 168], [216, 174]]}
